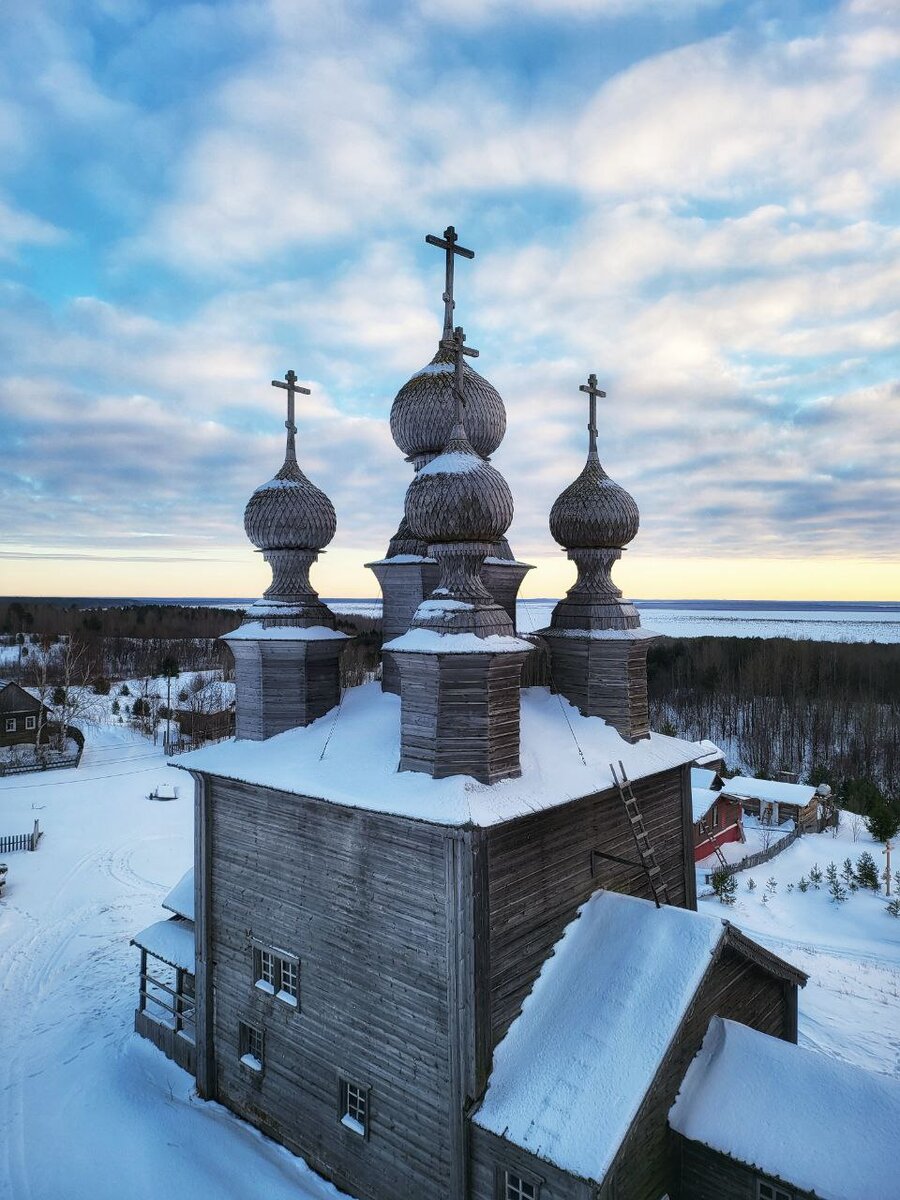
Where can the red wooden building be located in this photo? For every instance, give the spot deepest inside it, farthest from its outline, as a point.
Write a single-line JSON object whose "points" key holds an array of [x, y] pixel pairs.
{"points": [[717, 818]]}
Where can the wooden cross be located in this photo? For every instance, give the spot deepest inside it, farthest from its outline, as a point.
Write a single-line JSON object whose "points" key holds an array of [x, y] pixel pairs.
{"points": [[291, 386], [593, 391], [461, 351], [448, 244]]}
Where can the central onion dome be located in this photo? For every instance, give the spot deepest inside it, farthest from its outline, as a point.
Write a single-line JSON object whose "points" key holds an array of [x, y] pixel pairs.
{"points": [[289, 512], [424, 412], [458, 497], [593, 512]]}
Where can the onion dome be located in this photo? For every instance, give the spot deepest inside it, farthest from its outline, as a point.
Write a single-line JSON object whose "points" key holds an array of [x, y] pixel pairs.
{"points": [[289, 512], [458, 497], [594, 512], [424, 412]]}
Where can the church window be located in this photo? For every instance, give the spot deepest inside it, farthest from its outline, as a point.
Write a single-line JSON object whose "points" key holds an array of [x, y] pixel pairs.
{"points": [[768, 1191], [30, 722], [517, 1187], [278, 973], [354, 1107], [251, 1044]]}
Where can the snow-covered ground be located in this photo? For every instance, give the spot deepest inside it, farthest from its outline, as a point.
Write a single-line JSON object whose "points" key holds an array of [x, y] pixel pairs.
{"points": [[851, 1006], [88, 1109]]}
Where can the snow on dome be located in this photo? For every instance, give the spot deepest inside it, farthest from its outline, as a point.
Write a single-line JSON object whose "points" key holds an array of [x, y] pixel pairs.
{"points": [[289, 512], [459, 497], [424, 411], [594, 512], [571, 1073], [819, 1124]]}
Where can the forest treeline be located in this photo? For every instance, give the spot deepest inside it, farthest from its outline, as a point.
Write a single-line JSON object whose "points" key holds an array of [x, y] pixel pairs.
{"points": [[829, 710]]}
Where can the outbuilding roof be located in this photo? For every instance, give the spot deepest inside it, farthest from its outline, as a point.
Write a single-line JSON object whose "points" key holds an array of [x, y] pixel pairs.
{"points": [[171, 940], [803, 1117], [769, 789], [181, 898], [702, 800]]}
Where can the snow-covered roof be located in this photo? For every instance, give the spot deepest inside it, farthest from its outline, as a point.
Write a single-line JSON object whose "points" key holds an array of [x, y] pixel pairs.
{"points": [[181, 898], [171, 940], [770, 789], [702, 800], [801, 1116], [430, 641], [701, 778], [255, 631], [359, 767], [571, 1073], [709, 752]]}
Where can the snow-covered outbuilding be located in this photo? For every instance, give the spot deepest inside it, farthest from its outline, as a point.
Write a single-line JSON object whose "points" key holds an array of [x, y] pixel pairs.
{"points": [[763, 1119], [442, 931], [165, 1012], [718, 818], [774, 801]]}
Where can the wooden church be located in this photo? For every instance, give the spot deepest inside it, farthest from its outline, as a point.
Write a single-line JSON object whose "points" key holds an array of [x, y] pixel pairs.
{"points": [[445, 938]]}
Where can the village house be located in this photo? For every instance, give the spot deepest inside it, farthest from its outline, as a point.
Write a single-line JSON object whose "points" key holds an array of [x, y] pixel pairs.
{"points": [[21, 720], [718, 818], [774, 802], [445, 939]]}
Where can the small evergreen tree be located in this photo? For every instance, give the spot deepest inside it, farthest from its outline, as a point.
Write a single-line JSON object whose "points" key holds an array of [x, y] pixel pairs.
{"points": [[751, 884], [893, 907], [790, 888], [803, 885], [771, 885], [124, 691], [724, 885], [849, 875], [831, 874], [115, 708], [815, 876], [837, 889], [867, 872], [59, 697], [883, 820]]}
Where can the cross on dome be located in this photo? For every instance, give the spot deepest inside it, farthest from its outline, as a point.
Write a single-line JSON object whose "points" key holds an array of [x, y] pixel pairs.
{"points": [[593, 391], [291, 387], [449, 245]]}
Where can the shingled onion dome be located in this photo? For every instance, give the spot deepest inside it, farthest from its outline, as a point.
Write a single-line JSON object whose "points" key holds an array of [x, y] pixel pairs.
{"points": [[290, 521], [424, 412], [460, 507], [594, 519]]}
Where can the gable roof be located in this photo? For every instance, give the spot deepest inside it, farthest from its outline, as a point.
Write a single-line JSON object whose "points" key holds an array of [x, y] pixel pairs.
{"points": [[702, 778], [702, 800], [570, 1075], [798, 1115], [769, 789], [180, 899], [15, 698]]}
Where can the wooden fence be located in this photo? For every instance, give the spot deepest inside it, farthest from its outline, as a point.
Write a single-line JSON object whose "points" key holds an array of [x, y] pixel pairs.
{"points": [[21, 841], [754, 860]]}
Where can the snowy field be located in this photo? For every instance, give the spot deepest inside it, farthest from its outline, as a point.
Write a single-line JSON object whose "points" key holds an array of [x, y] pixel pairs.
{"points": [[824, 623], [89, 1111]]}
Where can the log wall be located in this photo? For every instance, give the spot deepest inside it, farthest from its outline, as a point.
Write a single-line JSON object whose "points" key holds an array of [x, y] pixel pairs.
{"points": [[707, 1175]]}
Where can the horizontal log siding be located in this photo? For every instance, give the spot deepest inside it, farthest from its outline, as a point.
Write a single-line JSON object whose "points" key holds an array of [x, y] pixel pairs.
{"points": [[540, 873], [361, 898], [490, 1154], [647, 1164], [707, 1175]]}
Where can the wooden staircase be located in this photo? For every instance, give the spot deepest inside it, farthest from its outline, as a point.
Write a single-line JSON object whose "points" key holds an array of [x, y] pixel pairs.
{"points": [[641, 838], [708, 833]]}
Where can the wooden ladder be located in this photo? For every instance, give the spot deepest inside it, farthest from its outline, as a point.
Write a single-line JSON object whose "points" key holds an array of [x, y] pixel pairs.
{"points": [[708, 833], [641, 838]]}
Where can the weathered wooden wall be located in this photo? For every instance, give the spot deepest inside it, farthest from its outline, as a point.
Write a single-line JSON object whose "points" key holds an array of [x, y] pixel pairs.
{"points": [[489, 1153], [706, 1175], [281, 685], [541, 869], [647, 1164], [363, 899], [173, 1045]]}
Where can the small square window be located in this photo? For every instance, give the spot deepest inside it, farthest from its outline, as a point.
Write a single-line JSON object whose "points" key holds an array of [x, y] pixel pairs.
{"points": [[251, 1045], [31, 722], [290, 979], [354, 1107], [517, 1188], [277, 973], [768, 1191], [10, 724]]}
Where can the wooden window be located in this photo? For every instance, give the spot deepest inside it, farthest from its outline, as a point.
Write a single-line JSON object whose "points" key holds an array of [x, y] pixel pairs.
{"points": [[277, 973], [353, 1108], [768, 1191], [10, 724], [515, 1186], [31, 722], [251, 1044]]}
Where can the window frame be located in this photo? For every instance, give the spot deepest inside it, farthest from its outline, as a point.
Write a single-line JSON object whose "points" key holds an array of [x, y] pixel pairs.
{"points": [[273, 968], [523, 1177], [30, 724], [11, 725], [251, 1037], [363, 1096], [773, 1191]]}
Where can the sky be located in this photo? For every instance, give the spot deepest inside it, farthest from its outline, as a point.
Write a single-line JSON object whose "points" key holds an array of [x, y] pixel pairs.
{"points": [[696, 199]]}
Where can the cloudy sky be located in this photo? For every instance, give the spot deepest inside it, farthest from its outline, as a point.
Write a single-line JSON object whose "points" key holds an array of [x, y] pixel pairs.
{"points": [[698, 200]]}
